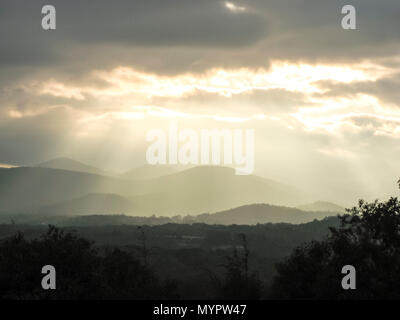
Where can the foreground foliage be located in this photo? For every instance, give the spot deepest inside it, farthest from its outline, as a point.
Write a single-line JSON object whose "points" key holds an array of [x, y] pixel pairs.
{"points": [[368, 238], [82, 271]]}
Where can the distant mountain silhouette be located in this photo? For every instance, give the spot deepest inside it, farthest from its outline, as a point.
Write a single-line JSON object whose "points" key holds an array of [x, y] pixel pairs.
{"points": [[260, 213], [112, 206], [193, 191], [71, 165], [210, 189], [26, 189], [321, 206], [95, 203], [148, 172]]}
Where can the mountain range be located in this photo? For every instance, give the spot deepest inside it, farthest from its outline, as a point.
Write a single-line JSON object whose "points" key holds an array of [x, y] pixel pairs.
{"points": [[260, 213], [64, 163], [63, 187], [321, 206], [245, 215]]}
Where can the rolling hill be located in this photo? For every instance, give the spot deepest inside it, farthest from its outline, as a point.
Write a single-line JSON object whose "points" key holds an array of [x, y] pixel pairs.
{"points": [[148, 172], [244, 215], [26, 189], [95, 203], [211, 189], [321, 206], [193, 191], [70, 165], [260, 213]]}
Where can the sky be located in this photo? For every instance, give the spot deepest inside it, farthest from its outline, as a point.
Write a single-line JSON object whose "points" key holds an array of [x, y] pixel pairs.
{"points": [[323, 101]]}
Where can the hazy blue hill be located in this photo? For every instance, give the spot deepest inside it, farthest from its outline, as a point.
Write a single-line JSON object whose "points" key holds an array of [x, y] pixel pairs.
{"points": [[71, 165], [244, 215], [190, 192], [321, 206], [210, 189], [148, 172], [260, 213], [26, 189], [95, 203]]}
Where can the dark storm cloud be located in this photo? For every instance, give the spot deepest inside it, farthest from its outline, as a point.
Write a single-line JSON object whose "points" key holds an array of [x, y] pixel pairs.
{"points": [[310, 29], [155, 23], [192, 35]]}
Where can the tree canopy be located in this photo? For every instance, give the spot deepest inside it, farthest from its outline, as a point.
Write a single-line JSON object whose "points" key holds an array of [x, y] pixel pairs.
{"points": [[368, 238], [82, 271]]}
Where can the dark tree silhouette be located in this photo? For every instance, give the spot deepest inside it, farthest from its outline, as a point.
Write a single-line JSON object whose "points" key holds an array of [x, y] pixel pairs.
{"points": [[368, 238], [82, 271], [238, 282]]}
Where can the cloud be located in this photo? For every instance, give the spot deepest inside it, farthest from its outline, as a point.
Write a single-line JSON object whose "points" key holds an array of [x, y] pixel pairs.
{"points": [[385, 88], [177, 36], [323, 101], [121, 24]]}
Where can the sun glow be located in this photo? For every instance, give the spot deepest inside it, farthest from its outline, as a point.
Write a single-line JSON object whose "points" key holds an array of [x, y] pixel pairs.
{"points": [[358, 113], [225, 82], [232, 7], [141, 112], [130, 94]]}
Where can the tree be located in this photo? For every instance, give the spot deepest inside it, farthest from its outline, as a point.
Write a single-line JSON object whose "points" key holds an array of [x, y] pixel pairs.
{"points": [[83, 272], [21, 262], [368, 238], [238, 282]]}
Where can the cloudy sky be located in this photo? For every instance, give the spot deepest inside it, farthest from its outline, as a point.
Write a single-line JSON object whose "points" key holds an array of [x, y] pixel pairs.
{"points": [[324, 101]]}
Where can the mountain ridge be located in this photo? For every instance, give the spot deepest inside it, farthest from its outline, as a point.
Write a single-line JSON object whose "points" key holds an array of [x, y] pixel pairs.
{"points": [[322, 206], [64, 163], [192, 191]]}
